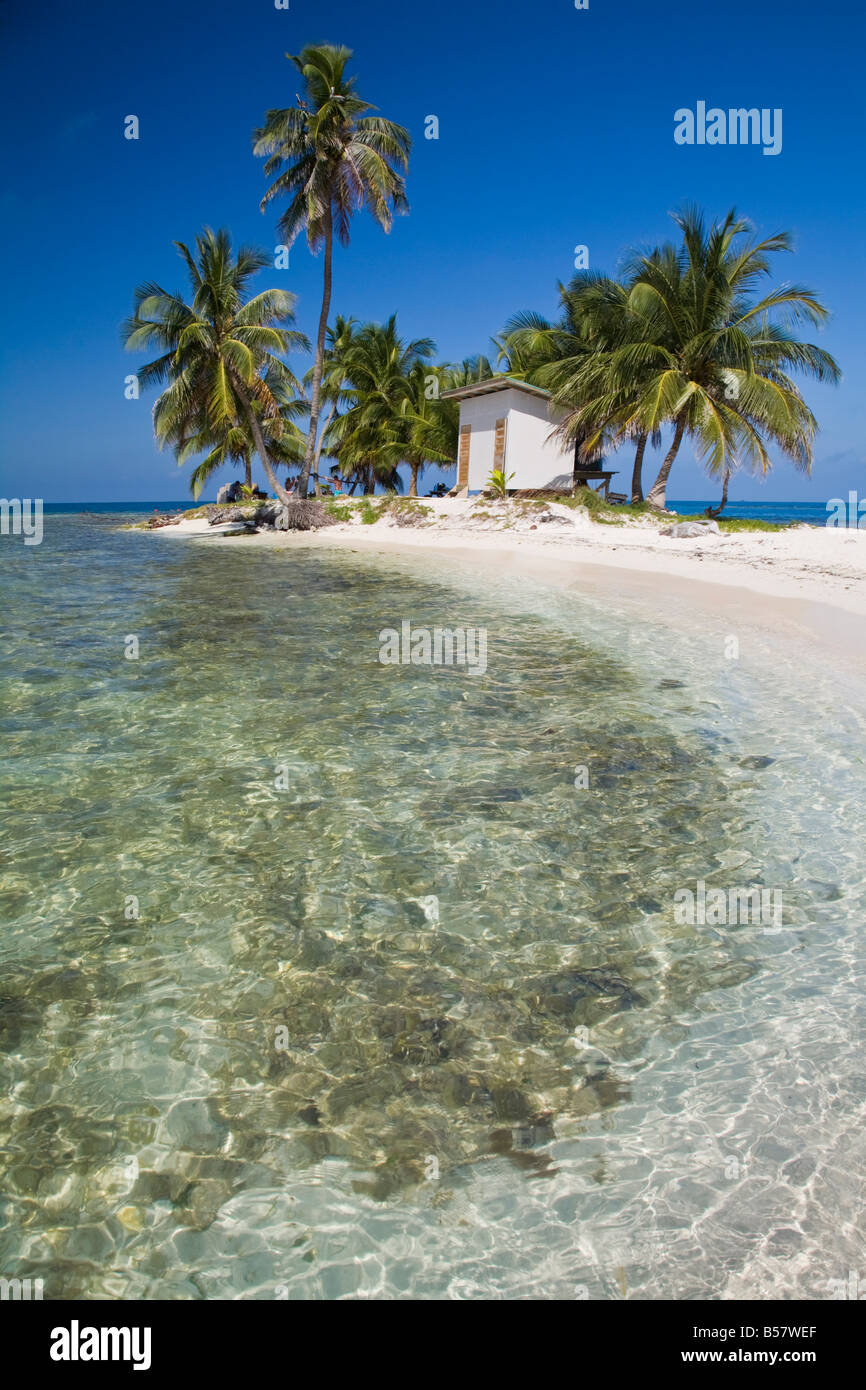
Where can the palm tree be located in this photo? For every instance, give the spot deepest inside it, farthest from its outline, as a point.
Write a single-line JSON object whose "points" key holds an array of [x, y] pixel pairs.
{"points": [[715, 360], [338, 343], [596, 322], [331, 159], [371, 434], [285, 445], [428, 426], [219, 353], [555, 355], [467, 372]]}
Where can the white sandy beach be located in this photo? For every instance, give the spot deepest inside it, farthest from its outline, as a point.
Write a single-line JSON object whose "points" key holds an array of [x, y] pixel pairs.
{"points": [[811, 577]]}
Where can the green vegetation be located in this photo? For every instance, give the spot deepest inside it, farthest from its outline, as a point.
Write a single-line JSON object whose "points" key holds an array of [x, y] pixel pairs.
{"points": [[683, 343], [498, 482], [742, 523], [218, 355], [688, 344], [339, 511]]}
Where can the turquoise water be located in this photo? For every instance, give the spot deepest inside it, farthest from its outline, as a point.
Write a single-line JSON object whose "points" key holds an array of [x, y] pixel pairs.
{"points": [[404, 1011]]}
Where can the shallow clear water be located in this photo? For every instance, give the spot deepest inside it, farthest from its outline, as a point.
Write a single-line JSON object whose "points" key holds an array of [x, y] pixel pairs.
{"points": [[505, 1069]]}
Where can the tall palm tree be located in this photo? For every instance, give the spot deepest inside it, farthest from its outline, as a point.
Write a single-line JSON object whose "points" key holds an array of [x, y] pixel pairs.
{"points": [[716, 365], [331, 159], [219, 352]]}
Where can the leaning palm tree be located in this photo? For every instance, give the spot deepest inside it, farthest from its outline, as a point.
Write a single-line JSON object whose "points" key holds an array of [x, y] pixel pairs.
{"points": [[718, 367], [218, 352], [235, 445], [331, 159]]}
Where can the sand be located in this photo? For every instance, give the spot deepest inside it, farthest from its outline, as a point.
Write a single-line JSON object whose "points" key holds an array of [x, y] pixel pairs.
{"points": [[821, 564], [808, 581]]}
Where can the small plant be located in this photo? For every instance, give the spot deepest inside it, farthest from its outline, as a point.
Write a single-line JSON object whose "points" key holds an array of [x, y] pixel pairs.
{"points": [[498, 482]]}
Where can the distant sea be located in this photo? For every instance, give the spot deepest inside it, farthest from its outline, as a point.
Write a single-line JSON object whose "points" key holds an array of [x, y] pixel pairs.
{"points": [[807, 513]]}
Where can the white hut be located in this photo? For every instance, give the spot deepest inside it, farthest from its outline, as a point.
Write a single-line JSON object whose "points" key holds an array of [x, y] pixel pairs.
{"points": [[507, 424]]}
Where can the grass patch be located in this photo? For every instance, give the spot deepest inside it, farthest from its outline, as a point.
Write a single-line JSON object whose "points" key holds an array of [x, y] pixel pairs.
{"points": [[741, 523], [340, 511], [604, 512], [609, 515], [370, 511]]}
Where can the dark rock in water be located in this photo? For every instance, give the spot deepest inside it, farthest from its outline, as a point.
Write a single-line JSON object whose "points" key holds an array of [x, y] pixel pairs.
{"points": [[202, 1203], [671, 685], [648, 905], [755, 763], [17, 1016], [516, 1145], [510, 1103], [311, 1114], [563, 993], [424, 1045]]}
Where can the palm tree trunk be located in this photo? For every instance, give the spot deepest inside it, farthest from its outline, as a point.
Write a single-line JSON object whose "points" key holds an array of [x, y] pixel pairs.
{"points": [[261, 448], [249, 473], [658, 490], [576, 465], [315, 397], [321, 440], [636, 480], [319, 444], [413, 483], [717, 511]]}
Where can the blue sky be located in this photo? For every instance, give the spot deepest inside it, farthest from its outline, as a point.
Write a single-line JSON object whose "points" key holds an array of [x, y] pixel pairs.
{"points": [[556, 129]]}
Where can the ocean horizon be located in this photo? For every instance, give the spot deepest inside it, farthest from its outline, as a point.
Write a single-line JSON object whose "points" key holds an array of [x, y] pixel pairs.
{"points": [[782, 512]]}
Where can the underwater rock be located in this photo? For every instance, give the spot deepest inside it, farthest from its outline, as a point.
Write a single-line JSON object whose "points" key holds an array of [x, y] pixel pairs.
{"points": [[562, 994], [196, 1125]]}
